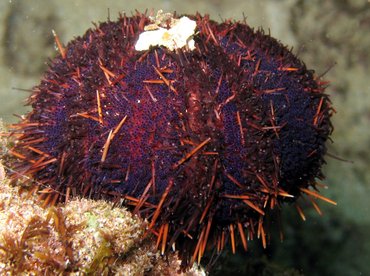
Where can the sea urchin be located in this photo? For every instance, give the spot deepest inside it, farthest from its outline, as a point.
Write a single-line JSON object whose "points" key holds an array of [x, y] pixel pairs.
{"points": [[202, 142]]}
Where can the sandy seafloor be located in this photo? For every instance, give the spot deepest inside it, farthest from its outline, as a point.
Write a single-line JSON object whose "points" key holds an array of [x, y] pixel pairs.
{"points": [[325, 33]]}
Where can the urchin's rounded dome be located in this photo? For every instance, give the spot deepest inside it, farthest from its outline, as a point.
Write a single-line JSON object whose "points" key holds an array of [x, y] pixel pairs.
{"points": [[202, 142]]}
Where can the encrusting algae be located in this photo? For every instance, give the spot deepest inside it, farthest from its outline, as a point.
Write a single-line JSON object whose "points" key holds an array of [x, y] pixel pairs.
{"points": [[83, 236]]}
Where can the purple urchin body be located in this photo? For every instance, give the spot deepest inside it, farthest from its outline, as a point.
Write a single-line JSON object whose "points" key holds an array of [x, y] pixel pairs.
{"points": [[203, 143]]}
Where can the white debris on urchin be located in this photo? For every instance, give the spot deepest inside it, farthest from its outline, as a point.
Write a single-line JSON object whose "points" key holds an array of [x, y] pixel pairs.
{"points": [[179, 35]]}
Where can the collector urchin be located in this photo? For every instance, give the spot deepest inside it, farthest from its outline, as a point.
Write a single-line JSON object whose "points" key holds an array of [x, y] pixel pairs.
{"points": [[201, 127]]}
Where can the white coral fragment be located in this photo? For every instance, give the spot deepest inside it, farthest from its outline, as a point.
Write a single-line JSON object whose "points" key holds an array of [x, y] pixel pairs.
{"points": [[179, 35]]}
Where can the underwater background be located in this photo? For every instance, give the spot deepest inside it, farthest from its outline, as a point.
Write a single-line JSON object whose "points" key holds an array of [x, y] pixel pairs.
{"points": [[324, 34]]}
